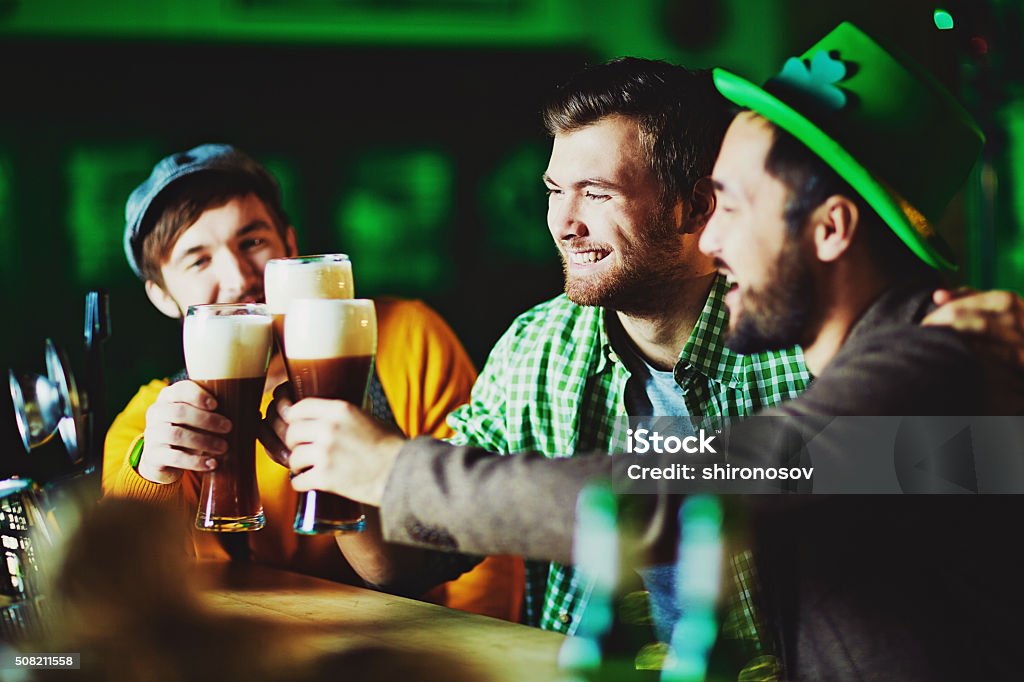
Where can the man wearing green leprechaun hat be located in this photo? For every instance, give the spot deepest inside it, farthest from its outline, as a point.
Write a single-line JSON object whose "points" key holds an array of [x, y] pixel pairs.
{"points": [[828, 186]]}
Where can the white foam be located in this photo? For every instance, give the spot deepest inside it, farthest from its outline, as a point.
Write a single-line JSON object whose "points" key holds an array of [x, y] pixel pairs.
{"points": [[330, 328], [286, 281], [227, 346]]}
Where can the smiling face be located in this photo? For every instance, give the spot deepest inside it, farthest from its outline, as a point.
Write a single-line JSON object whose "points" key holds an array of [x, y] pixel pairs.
{"points": [[772, 293], [220, 258], [620, 244]]}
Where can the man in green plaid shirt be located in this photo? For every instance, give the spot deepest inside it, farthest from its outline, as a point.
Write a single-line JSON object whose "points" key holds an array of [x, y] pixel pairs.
{"points": [[633, 143], [553, 384]]}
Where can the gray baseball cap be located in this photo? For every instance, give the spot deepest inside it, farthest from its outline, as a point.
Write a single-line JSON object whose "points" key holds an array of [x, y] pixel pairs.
{"points": [[206, 157]]}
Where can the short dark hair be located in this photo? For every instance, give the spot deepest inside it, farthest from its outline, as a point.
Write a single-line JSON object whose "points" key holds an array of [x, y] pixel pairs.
{"points": [[682, 117], [180, 205], [811, 181]]}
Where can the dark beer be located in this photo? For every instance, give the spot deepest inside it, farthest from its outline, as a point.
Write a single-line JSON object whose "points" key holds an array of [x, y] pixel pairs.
{"points": [[233, 492], [226, 352], [285, 279], [345, 378], [278, 327], [331, 346]]}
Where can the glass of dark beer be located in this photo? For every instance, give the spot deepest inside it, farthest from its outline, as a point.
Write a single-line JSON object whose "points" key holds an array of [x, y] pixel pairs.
{"points": [[327, 275], [227, 348], [331, 347]]}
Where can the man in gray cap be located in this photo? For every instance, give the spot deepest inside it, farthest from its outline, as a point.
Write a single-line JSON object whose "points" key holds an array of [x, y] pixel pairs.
{"points": [[199, 230]]}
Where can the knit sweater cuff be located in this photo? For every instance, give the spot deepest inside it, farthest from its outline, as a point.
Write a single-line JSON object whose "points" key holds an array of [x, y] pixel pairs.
{"points": [[131, 484]]}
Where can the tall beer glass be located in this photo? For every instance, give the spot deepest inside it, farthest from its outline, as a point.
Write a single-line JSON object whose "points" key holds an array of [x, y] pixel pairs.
{"points": [[331, 346], [227, 348], [284, 279]]}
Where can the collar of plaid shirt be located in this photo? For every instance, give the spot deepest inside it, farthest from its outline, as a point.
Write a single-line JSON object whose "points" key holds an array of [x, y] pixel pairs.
{"points": [[554, 385]]}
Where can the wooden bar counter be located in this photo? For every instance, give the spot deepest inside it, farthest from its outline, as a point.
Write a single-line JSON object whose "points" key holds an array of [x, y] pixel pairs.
{"points": [[330, 617]]}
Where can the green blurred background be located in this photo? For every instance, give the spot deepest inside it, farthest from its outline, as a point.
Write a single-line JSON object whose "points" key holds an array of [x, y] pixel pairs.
{"points": [[404, 132]]}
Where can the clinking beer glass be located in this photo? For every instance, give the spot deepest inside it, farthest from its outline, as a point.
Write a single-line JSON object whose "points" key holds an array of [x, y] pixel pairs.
{"points": [[285, 279], [331, 347], [324, 276], [227, 348]]}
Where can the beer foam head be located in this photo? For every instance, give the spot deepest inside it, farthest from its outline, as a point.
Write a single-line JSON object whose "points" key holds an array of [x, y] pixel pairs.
{"points": [[324, 328], [286, 279], [227, 346]]}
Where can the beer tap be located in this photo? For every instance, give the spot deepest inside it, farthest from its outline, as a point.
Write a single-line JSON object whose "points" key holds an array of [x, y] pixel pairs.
{"points": [[97, 330], [39, 502], [52, 404]]}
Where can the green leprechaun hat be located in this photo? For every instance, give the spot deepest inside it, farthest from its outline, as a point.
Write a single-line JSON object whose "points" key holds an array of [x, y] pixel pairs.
{"points": [[887, 128]]}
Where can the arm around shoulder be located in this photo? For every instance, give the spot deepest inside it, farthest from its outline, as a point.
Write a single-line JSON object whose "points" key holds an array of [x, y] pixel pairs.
{"points": [[902, 370]]}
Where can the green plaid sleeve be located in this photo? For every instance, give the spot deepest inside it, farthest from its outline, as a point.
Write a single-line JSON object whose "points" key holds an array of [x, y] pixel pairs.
{"points": [[534, 391], [482, 421]]}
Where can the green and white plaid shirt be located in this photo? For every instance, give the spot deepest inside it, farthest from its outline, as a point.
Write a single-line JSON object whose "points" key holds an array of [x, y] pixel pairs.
{"points": [[554, 385]]}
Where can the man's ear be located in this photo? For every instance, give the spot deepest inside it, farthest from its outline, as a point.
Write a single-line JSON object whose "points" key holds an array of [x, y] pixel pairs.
{"points": [[162, 300], [290, 243], [833, 226], [699, 208]]}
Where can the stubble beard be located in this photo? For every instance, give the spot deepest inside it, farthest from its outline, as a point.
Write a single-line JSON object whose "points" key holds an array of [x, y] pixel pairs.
{"points": [[777, 315], [648, 273]]}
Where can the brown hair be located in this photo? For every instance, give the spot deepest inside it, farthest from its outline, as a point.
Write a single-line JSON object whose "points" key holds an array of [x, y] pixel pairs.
{"points": [[681, 116]]}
